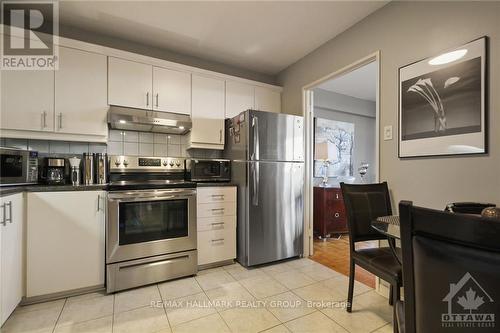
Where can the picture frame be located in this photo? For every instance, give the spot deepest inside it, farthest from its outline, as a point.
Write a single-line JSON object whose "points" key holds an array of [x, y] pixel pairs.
{"points": [[442, 103], [333, 142]]}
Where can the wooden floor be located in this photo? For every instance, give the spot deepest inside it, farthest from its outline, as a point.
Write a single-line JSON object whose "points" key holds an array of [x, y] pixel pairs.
{"points": [[334, 253]]}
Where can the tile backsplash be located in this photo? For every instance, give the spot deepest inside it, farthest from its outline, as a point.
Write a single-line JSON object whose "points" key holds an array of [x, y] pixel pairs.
{"points": [[119, 143]]}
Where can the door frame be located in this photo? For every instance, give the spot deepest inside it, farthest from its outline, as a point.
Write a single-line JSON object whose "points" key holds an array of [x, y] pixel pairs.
{"points": [[308, 113]]}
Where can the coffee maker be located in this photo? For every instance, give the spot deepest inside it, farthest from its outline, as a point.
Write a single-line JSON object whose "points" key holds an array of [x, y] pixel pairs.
{"points": [[54, 170]]}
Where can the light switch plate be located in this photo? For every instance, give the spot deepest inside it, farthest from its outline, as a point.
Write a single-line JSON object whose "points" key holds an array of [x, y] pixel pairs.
{"points": [[387, 133]]}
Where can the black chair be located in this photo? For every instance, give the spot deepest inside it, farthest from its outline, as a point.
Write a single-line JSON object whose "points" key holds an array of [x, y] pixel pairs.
{"points": [[467, 207], [451, 269], [363, 204]]}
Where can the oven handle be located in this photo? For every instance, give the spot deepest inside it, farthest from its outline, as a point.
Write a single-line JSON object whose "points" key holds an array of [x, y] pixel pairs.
{"points": [[147, 196], [152, 198]]}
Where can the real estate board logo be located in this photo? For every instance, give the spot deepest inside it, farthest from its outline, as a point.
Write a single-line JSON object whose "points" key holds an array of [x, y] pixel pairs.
{"points": [[469, 305], [30, 31]]}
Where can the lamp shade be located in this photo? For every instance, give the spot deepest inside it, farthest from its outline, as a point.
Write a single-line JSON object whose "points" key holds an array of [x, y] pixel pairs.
{"points": [[321, 151]]}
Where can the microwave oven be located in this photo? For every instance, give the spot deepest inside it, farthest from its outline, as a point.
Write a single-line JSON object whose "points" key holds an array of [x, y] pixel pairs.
{"points": [[18, 166], [208, 170]]}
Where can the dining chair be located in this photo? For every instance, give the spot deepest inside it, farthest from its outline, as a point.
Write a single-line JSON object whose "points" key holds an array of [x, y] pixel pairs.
{"points": [[364, 203], [451, 271], [467, 207]]}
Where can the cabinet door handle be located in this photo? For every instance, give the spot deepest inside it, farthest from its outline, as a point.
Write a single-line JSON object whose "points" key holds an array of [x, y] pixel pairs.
{"points": [[336, 195], [4, 220], [10, 211], [60, 120], [157, 99], [44, 119], [147, 98], [336, 214], [219, 223], [220, 136], [217, 240], [98, 202]]}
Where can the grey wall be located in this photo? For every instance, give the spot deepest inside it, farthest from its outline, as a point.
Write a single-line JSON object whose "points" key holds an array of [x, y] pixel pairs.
{"points": [[125, 45], [405, 32], [330, 105]]}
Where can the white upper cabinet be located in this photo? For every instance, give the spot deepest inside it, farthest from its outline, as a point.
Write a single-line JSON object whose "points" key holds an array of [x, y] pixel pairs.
{"points": [[81, 101], [130, 83], [239, 98], [27, 100], [171, 91], [207, 113], [267, 100]]}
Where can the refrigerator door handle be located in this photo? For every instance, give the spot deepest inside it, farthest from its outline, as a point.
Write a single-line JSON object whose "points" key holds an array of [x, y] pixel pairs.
{"points": [[255, 183], [255, 127]]}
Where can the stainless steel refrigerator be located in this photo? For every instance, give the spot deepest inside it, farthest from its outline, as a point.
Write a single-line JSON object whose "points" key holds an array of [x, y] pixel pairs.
{"points": [[267, 153]]}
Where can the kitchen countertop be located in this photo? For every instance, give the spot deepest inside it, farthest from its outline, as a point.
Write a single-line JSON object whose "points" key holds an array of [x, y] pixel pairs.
{"points": [[49, 188], [214, 184], [7, 190]]}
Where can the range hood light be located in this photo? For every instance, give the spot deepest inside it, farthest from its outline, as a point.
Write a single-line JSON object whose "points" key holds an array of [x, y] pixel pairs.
{"points": [[125, 118]]}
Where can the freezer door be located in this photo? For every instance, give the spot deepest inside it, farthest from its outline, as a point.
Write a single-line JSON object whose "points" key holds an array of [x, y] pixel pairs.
{"points": [[275, 137], [275, 211]]}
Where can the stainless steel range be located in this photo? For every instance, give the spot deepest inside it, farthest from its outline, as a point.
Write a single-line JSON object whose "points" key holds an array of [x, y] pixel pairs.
{"points": [[151, 222]]}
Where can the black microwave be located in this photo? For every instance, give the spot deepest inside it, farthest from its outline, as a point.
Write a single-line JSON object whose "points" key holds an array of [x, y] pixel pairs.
{"points": [[208, 170], [18, 166]]}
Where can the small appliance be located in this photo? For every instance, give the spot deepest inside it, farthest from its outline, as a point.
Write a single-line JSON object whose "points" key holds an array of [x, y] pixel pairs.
{"points": [[18, 166], [75, 170], [101, 168], [88, 169], [208, 170], [55, 170]]}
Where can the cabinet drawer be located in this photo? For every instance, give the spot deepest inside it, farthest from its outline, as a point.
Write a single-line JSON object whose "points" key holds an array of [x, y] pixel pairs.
{"points": [[216, 209], [216, 223], [216, 194], [216, 245]]}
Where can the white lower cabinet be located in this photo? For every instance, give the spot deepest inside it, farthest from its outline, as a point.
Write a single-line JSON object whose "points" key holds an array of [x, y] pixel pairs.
{"points": [[65, 241], [11, 254], [216, 224]]}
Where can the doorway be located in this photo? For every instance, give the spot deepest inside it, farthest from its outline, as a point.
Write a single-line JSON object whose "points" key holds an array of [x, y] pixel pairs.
{"points": [[342, 133]]}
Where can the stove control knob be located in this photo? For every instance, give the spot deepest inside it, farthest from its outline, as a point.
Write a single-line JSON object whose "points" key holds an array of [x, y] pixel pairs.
{"points": [[177, 163], [117, 163], [125, 162], [165, 163], [171, 163]]}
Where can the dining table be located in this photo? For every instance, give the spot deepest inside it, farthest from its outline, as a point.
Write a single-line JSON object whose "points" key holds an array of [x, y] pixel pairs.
{"points": [[389, 226]]}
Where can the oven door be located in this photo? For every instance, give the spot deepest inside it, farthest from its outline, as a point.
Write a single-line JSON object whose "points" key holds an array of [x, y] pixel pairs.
{"points": [[148, 223]]}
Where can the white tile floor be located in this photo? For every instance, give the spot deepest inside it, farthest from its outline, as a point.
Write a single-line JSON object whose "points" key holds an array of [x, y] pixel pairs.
{"points": [[296, 296]]}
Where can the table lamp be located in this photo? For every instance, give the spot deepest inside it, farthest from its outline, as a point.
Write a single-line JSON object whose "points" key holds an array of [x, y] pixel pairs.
{"points": [[321, 154]]}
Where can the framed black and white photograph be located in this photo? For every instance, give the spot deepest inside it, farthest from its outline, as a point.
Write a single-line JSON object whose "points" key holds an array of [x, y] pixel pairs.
{"points": [[442, 103]]}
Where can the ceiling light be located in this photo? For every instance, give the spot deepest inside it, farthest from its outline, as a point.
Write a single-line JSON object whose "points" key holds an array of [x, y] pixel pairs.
{"points": [[448, 57], [181, 127], [122, 121]]}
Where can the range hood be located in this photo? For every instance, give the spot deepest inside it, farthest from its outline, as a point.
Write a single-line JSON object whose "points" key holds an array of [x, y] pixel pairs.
{"points": [[124, 118]]}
